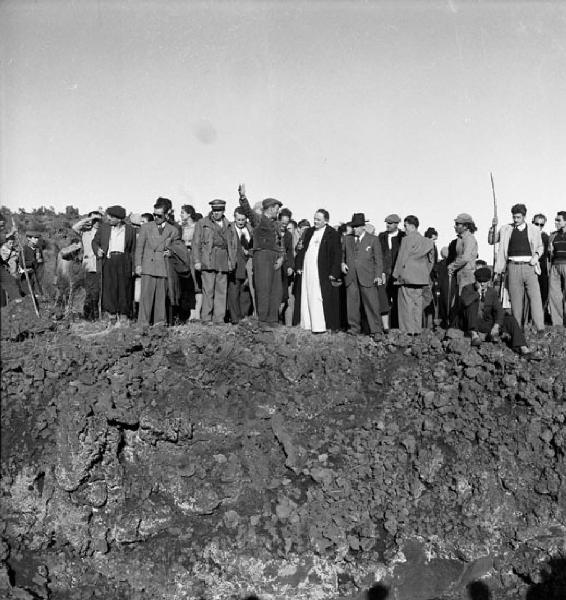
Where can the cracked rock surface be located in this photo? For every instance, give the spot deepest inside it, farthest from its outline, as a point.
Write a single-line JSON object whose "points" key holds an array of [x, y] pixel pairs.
{"points": [[212, 463]]}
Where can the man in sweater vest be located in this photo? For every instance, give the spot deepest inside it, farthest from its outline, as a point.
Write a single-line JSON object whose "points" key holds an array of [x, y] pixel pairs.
{"points": [[520, 247], [557, 292]]}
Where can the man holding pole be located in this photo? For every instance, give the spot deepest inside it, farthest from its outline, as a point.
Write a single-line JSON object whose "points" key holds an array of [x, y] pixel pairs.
{"points": [[520, 247]]}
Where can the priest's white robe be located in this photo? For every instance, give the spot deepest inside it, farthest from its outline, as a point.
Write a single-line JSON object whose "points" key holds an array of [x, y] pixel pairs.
{"points": [[312, 311]]}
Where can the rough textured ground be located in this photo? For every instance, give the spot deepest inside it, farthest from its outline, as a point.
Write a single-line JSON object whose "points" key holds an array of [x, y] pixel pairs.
{"points": [[206, 463]]}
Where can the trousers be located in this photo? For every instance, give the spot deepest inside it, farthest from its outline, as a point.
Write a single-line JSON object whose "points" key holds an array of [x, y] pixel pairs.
{"points": [[268, 285], [153, 300], [557, 294], [522, 278], [214, 292]]}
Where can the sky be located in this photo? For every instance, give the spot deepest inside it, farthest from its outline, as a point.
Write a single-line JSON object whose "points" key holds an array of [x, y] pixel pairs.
{"points": [[373, 107]]}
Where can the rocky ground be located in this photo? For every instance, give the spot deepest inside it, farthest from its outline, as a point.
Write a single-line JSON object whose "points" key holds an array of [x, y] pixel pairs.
{"points": [[225, 462]]}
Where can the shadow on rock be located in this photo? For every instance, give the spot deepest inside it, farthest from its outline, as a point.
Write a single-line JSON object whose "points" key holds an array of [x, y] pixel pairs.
{"points": [[377, 592], [477, 590], [553, 582]]}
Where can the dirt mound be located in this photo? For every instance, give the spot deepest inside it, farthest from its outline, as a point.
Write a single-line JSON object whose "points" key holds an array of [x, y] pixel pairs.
{"points": [[219, 462]]}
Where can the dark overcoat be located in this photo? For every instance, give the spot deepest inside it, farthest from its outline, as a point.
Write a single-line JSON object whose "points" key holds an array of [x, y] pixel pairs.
{"points": [[329, 262]]}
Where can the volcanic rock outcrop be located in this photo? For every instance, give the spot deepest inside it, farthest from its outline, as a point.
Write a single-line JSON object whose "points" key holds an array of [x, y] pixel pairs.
{"points": [[208, 463]]}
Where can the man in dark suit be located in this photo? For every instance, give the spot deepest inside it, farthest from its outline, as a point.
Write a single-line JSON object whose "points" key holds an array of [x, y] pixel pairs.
{"points": [[239, 294], [152, 252], [390, 241], [114, 245], [482, 312], [362, 265]]}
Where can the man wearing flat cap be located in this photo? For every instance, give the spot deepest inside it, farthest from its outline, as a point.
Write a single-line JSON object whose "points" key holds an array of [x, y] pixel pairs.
{"points": [[87, 229], [114, 244], [482, 312], [464, 264], [390, 241], [268, 255], [364, 271], [214, 248]]}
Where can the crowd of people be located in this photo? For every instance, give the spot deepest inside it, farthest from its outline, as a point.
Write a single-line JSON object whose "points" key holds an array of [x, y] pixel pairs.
{"points": [[215, 270]]}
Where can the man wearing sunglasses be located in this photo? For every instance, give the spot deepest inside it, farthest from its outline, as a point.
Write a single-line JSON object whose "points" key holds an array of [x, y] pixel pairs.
{"points": [[152, 252], [557, 293], [520, 248]]}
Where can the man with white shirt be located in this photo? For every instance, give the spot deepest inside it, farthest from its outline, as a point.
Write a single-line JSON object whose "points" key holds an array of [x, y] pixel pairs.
{"points": [[114, 243], [239, 292], [390, 241], [520, 247], [87, 229]]}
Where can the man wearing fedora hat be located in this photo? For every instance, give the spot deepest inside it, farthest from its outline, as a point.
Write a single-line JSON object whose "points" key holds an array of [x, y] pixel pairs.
{"points": [[214, 248], [363, 268], [268, 255], [114, 243]]}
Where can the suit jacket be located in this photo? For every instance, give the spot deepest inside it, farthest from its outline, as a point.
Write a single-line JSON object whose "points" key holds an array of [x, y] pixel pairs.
{"points": [[491, 311], [390, 256], [503, 236], [151, 245], [243, 252], [414, 261], [364, 261], [102, 238]]}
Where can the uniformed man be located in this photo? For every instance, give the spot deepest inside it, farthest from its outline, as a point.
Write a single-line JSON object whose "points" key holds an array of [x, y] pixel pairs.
{"points": [[268, 255]]}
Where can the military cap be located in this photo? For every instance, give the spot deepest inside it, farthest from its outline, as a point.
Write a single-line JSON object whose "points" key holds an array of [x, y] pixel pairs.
{"points": [[218, 204], [270, 202]]}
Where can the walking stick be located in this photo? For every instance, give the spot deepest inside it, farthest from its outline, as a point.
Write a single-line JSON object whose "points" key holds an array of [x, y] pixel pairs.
{"points": [[23, 259]]}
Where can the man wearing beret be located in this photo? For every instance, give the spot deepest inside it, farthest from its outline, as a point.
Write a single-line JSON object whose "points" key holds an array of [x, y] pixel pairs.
{"points": [[114, 244], [268, 255], [214, 248], [152, 252], [482, 312], [390, 241]]}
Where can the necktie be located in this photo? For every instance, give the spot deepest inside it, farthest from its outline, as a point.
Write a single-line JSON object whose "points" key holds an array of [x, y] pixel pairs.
{"points": [[357, 241], [160, 229]]}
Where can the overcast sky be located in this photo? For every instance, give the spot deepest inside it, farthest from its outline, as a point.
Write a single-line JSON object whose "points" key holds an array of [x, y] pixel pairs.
{"points": [[372, 107]]}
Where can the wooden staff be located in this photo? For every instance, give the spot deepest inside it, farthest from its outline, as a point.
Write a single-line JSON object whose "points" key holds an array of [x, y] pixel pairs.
{"points": [[495, 223]]}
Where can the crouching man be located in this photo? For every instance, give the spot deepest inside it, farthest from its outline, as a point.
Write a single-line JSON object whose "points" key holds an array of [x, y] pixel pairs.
{"points": [[483, 313]]}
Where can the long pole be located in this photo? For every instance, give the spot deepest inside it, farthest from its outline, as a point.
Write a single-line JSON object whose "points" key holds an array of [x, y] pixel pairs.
{"points": [[494, 219], [23, 259]]}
